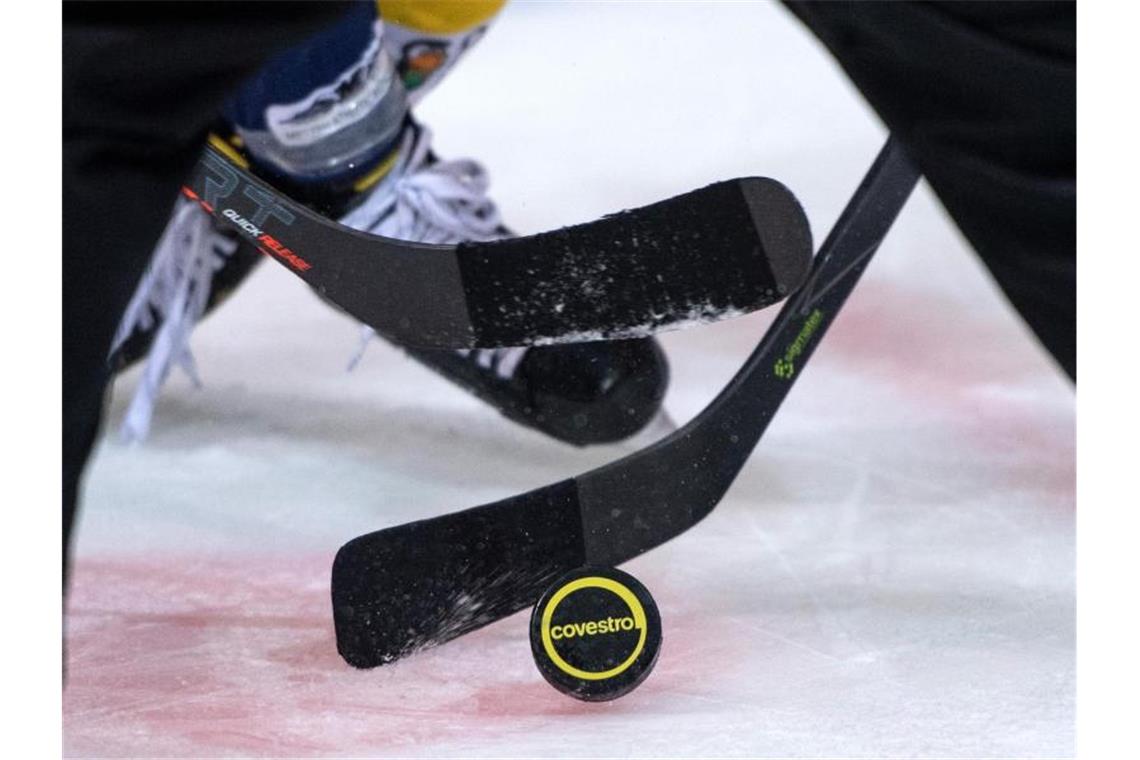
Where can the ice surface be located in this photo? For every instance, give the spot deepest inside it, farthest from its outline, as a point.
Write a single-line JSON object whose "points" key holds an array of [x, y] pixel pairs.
{"points": [[892, 574]]}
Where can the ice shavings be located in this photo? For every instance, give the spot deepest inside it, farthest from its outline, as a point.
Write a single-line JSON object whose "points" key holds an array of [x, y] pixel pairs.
{"points": [[466, 604], [658, 322]]}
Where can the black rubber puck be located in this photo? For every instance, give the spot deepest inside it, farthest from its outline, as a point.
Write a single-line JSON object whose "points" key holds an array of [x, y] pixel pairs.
{"points": [[595, 633]]}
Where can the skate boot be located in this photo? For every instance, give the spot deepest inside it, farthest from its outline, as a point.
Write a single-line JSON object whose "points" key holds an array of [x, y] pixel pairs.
{"points": [[581, 394]]}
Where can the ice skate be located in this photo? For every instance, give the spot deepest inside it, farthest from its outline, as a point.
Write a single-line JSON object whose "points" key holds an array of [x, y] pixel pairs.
{"points": [[582, 394]]}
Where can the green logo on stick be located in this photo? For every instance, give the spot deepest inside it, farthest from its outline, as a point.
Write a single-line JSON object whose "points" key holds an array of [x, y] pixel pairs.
{"points": [[785, 366]]}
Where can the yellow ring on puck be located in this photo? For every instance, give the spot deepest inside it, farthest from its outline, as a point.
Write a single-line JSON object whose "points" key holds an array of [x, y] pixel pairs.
{"points": [[593, 581]]}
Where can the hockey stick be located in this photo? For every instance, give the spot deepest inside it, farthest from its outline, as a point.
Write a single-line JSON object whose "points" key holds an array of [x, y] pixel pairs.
{"points": [[721, 251], [423, 583]]}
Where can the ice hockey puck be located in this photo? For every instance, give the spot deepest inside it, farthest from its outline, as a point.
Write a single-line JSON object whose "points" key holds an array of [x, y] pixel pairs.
{"points": [[595, 633]]}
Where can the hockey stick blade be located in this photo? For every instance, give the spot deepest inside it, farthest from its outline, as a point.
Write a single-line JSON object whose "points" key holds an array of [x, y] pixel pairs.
{"points": [[727, 249], [420, 584]]}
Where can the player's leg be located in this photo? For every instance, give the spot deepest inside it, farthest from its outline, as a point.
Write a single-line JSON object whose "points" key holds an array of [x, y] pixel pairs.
{"points": [[141, 82], [984, 97], [329, 123]]}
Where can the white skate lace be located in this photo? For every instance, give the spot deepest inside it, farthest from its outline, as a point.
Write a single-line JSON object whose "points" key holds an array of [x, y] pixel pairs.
{"points": [[173, 293], [442, 203]]}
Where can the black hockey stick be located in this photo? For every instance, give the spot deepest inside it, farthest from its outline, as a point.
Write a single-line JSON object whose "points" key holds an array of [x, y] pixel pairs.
{"points": [[721, 251], [423, 583]]}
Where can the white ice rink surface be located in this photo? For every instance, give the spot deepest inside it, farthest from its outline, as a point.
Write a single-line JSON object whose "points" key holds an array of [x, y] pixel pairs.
{"points": [[890, 576]]}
